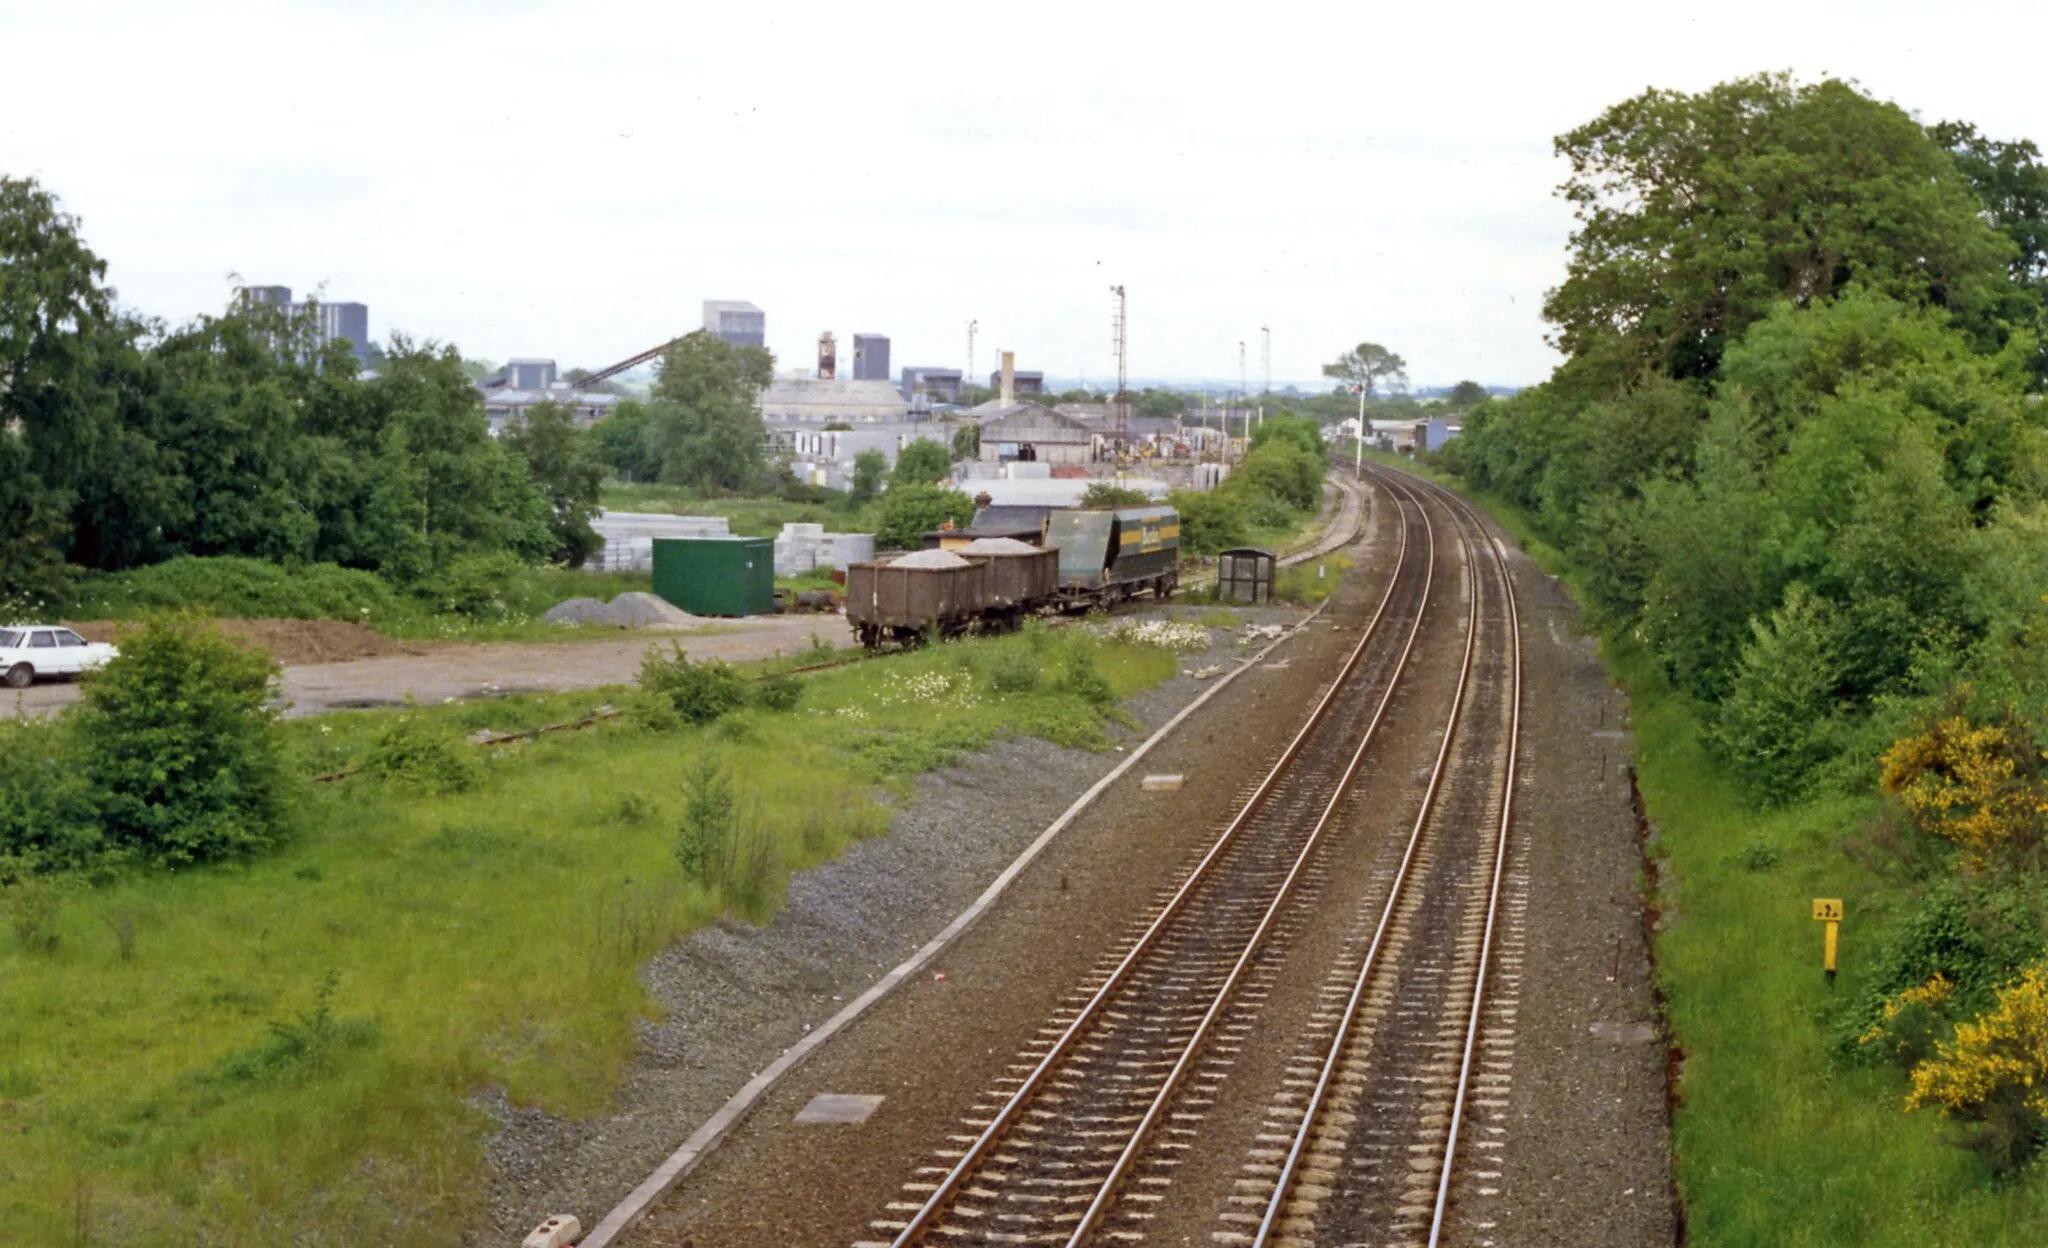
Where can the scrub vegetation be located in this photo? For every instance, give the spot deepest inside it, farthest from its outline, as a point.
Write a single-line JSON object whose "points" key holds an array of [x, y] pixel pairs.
{"points": [[281, 1037], [1795, 466]]}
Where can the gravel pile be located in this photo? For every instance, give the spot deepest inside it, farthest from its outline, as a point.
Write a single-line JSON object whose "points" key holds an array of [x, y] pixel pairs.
{"points": [[733, 996], [638, 610], [998, 546], [632, 610], [929, 559]]}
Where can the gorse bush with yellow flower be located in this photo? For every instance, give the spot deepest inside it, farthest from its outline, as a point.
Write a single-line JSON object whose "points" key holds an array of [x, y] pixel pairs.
{"points": [[1993, 1077], [1979, 786]]}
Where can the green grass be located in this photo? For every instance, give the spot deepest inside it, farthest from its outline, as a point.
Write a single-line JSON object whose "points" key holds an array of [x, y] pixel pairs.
{"points": [[1776, 1139], [252, 589], [200, 1092], [750, 517]]}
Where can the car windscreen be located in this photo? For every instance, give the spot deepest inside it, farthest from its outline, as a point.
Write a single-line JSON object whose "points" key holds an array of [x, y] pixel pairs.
{"points": [[65, 637], [10, 638]]}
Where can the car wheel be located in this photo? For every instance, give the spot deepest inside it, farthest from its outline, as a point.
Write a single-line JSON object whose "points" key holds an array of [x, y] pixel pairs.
{"points": [[20, 676]]}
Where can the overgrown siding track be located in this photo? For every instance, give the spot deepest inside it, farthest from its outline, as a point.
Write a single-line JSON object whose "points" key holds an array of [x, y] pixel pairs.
{"points": [[1083, 1138]]}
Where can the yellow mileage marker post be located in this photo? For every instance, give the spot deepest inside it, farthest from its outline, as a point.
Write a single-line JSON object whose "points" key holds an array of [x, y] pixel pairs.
{"points": [[1828, 910]]}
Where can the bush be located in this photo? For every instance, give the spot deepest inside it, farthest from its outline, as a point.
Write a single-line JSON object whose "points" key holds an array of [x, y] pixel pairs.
{"points": [[1282, 472], [47, 819], [1013, 669], [1971, 935], [1993, 1077], [33, 907], [1083, 678], [1979, 786], [779, 693], [1210, 521], [234, 587], [869, 468], [480, 587], [923, 462], [1109, 494], [415, 753], [694, 693], [704, 841], [178, 746], [911, 511], [1776, 724]]}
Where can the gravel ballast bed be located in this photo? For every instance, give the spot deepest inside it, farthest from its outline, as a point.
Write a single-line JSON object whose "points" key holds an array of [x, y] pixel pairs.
{"points": [[735, 996]]}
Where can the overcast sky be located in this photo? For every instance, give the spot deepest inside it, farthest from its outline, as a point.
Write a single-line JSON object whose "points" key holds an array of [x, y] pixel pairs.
{"points": [[574, 179]]}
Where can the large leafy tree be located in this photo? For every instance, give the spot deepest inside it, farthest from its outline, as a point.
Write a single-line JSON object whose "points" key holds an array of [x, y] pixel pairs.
{"points": [[704, 424], [1698, 212], [1369, 367], [567, 476]]}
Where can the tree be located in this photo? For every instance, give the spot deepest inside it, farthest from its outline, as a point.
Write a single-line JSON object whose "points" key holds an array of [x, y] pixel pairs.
{"points": [[2013, 185], [622, 442], [705, 427], [1698, 212], [922, 462], [1109, 494], [558, 458], [1161, 403], [911, 510], [967, 442], [869, 467], [1466, 395], [1366, 366]]}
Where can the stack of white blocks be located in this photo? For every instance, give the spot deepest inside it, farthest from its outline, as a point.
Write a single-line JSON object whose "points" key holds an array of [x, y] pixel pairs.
{"points": [[806, 547]]}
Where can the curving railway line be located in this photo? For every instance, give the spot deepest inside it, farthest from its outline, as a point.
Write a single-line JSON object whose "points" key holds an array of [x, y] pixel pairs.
{"points": [[1313, 991]]}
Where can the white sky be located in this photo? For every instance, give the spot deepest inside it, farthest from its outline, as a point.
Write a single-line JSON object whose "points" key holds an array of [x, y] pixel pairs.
{"points": [[573, 179]]}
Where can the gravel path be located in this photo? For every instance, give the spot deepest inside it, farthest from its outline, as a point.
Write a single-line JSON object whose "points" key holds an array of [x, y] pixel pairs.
{"points": [[465, 671], [734, 996]]}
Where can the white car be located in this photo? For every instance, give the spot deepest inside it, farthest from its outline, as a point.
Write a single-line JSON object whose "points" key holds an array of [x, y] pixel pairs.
{"points": [[31, 650]]}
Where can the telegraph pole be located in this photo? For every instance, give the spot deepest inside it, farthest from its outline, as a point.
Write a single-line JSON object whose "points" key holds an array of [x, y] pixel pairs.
{"points": [[972, 325]]}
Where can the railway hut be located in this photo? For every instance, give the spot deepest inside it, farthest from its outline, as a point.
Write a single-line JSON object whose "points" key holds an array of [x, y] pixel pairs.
{"points": [[1108, 556], [1245, 574]]}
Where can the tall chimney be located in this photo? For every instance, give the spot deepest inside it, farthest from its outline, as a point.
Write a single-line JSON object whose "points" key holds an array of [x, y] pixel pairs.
{"points": [[1009, 377]]}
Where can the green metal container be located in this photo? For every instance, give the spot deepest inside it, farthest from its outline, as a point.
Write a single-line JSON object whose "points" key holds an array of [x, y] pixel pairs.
{"points": [[716, 575]]}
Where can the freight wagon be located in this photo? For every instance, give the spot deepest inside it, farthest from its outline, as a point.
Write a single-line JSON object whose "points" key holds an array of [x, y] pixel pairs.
{"points": [[1090, 559]]}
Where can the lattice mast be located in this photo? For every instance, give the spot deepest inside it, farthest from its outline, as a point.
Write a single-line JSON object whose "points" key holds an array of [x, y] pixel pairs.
{"points": [[1119, 321]]}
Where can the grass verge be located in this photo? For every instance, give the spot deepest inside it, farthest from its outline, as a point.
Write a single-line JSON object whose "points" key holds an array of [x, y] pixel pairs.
{"points": [[1775, 1139], [288, 1050]]}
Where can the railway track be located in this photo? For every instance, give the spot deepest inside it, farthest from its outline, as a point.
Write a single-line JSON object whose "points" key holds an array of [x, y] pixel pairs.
{"points": [[1409, 1054], [1082, 1140]]}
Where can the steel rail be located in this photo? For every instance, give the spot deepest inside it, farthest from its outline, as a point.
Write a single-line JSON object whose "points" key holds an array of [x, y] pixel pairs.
{"points": [[1500, 858], [945, 1190], [1334, 1058], [1107, 1192]]}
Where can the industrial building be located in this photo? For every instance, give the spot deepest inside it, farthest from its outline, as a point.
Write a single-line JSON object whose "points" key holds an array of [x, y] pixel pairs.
{"points": [[936, 385], [736, 322], [1033, 434], [349, 322], [1022, 383], [799, 399], [524, 384], [871, 358]]}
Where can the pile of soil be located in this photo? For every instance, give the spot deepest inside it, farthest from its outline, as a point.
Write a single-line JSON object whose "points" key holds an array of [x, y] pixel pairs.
{"points": [[291, 642]]}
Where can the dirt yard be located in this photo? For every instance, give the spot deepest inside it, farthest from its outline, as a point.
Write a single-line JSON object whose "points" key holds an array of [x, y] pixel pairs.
{"points": [[330, 665]]}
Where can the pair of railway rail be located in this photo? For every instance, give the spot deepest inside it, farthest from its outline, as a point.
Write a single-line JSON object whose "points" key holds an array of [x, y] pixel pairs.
{"points": [[1084, 1140]]}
